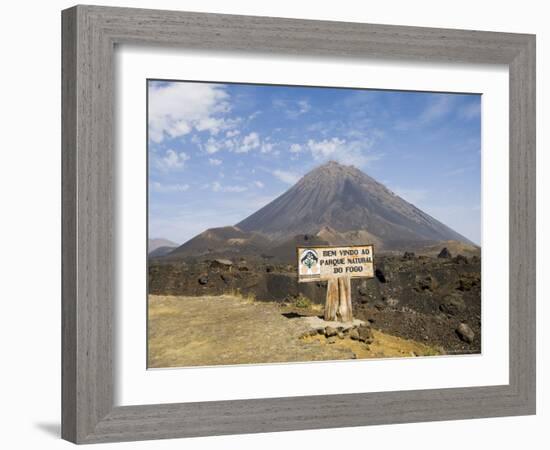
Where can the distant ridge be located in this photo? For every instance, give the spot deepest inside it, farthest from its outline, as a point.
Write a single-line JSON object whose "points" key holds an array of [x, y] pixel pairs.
{"points": [[153, 245]]}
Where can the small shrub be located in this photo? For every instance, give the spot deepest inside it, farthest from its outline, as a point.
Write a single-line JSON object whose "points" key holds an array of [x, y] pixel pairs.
{"points": [[302, 301]]}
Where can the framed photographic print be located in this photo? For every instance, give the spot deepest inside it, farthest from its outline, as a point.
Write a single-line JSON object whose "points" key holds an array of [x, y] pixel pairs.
{"points": [[306, 210]]}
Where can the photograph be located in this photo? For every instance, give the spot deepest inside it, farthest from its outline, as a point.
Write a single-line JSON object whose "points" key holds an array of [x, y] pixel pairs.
{"points": [[298, 224]]}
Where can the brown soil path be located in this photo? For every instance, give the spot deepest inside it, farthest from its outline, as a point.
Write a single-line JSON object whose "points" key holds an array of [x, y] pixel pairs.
{"points": [[226, 330]]}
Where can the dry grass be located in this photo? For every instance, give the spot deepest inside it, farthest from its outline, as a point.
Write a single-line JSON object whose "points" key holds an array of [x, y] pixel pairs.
{"points": [[236, 329], [236, 293], [383, 346]]}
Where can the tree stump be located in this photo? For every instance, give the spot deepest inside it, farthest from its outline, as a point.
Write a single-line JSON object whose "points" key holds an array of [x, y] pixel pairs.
{"points": [[338, 302]]}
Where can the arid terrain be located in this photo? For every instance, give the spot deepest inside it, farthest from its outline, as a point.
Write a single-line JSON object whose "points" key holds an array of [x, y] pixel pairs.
{"points": [[425, 297], [226, 330]]}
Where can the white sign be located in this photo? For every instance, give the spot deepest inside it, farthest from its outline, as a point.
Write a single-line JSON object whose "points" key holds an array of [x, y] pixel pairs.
{"points": [[326, 263]]}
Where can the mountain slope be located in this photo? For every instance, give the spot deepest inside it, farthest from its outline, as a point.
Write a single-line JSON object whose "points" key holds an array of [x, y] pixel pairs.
{"points": [[343, 199], [222, 241], [154, 244]]}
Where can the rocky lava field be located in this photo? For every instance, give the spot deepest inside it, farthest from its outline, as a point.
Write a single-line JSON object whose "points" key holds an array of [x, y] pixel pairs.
{"points": [[429, 299]]}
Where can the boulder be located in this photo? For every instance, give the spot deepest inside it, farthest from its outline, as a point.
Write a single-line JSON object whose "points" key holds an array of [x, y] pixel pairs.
{"points": [[365, 334], [426, 283], [203, 280], [330, 331], [467, 282], [453, 304], [465, 333], [460, 259], [409, 255], [380, 276], [445, 253], [354, 334], [225, 278], [362, 291], [221, 264]]}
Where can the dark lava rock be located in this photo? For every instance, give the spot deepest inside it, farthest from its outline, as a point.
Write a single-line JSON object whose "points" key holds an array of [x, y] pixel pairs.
{"points": [[354, 334], [243, 268], [203, 280], [445, 253], [380, 276], [467, 282], [427, 283], [460, 259], [465, 333], [307, 334], [330, 332], [452, 305], [269, 269], [221, 264], [365, 334], [362, 291], [409, 255], [225, 278]]}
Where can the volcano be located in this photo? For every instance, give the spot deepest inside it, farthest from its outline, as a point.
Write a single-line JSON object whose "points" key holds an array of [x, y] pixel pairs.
{"points": [[333, 204], [338, 199]]}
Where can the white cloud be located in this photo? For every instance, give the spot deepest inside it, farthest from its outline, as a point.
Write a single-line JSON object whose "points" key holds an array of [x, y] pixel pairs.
{"points": [[254, 115], [159, 187], [218, 187], [259, 184], [303, 106], [175, 109], [327, 148], [210, 124], [438, 108], [214, 161], [171, 160], [295, 148], [354, 152], [212, 146], [266, 147], [286, 176], [292, 109], [232, 133], [249, 142]]}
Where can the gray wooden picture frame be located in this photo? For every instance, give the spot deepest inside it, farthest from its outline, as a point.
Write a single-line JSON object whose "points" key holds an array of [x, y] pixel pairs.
{"points": [[89, 36]]}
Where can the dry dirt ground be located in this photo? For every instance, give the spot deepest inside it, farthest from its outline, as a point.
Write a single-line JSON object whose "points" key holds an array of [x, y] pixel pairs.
{"points": [[225, 330]]}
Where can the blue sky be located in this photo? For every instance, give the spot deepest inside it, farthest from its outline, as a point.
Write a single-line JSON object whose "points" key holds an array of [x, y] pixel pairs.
{"points": [[219, 152]]}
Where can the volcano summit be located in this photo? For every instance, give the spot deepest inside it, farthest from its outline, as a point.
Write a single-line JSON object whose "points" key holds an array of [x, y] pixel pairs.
{"points": [[333, 204]]}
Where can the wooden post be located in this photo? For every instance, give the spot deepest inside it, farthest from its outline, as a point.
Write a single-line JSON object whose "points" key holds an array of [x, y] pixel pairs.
{"points": [[332, 301], [345, 313], [338, 302]]}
